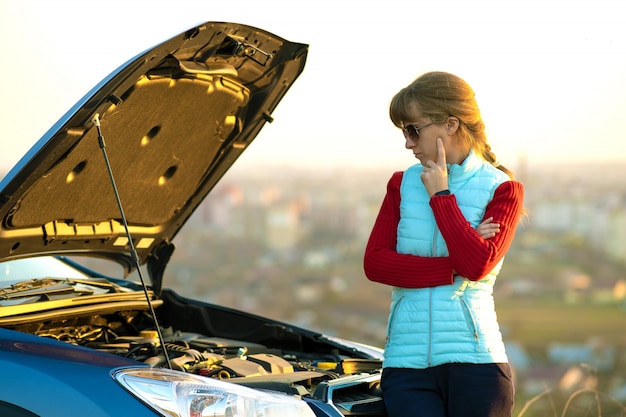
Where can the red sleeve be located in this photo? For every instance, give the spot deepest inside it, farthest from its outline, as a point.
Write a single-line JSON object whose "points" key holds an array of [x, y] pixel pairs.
{"points": [[472, 256], [383, 264]]}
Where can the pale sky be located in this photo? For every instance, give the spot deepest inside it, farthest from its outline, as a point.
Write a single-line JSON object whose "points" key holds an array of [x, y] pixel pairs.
{"points": [[550, 75]]}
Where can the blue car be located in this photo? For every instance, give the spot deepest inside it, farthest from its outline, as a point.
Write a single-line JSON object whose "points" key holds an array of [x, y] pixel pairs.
{"points": [[115, 179]]}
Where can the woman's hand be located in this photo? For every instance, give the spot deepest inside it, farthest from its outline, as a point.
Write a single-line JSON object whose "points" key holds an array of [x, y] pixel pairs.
{"points": [[435, 174], [488, 228]]}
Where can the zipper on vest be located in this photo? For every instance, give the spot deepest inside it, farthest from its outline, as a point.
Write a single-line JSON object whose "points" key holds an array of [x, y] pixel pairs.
{"points": [[430, 302], [430, 325], [392, 318], [434, 245], [469, 317]]}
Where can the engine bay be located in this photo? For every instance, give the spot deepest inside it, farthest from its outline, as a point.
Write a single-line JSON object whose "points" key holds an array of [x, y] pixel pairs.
{"points": [[131, 334]]}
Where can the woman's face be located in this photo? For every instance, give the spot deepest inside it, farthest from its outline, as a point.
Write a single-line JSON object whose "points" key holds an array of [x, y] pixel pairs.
{"points": [[424, 143]]}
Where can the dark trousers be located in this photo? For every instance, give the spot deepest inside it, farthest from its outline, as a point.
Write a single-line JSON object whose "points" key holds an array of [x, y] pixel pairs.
{"points": [[449, 390]]}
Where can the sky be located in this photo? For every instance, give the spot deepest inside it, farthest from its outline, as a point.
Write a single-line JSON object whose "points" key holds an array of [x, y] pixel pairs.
{"points": [[549, 75]]}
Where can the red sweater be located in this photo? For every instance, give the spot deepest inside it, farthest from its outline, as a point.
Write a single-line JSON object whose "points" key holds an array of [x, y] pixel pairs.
{"points": [[469, 255]]}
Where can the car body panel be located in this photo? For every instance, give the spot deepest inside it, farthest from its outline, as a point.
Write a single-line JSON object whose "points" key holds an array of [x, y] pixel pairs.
{"points": [[42, 368]]}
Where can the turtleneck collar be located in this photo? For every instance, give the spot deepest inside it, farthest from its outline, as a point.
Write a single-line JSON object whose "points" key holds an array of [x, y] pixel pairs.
{"points": [[458, 172]]}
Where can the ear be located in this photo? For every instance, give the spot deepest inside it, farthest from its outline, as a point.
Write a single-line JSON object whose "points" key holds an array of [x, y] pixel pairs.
{"points": [[452, 125]]}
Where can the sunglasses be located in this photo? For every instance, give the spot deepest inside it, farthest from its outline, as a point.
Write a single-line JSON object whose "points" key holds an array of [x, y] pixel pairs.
{"points": [[412, 132]]}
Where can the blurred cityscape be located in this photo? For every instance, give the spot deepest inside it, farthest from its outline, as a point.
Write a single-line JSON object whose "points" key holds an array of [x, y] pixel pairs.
{"points": [[287, 243]]}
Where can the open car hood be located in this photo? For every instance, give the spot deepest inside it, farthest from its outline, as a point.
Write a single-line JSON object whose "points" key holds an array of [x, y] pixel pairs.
{"points": [[173, 120]]}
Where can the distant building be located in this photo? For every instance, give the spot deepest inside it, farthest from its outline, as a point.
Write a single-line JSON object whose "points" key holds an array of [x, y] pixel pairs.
{"points": [[283, 225], [616, 235]]}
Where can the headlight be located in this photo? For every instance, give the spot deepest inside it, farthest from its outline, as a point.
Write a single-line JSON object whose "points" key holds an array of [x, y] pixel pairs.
{"points": [[176, 394]]}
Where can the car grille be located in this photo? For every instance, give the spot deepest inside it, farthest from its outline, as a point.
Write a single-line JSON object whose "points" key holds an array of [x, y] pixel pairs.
{"points": [[353, 395]]}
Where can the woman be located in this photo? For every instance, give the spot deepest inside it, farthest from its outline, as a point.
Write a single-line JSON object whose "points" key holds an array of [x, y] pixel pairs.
{"points": [[443, 229]]}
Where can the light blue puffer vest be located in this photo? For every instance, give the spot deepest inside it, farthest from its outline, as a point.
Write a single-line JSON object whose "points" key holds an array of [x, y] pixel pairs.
{"points": [[450, 323]]}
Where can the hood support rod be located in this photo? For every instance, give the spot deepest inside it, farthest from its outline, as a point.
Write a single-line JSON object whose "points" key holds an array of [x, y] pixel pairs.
{"points": [[133, 252]]}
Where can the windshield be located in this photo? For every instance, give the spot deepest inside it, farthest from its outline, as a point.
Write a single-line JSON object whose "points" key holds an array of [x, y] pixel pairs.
{"points": [[12, 272]]}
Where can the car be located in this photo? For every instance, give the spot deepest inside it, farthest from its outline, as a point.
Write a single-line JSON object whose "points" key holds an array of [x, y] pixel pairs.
{"points": [[115, 179]]}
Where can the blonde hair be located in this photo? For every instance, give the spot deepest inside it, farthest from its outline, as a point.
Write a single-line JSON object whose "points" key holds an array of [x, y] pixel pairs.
{"points": [[441, 95]]}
